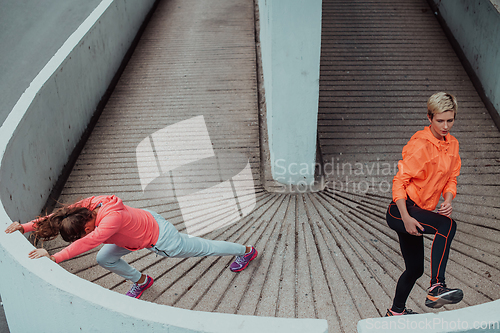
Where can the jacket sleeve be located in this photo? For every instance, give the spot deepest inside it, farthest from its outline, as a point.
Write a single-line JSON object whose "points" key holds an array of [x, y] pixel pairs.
{"points": [[409, 167], [451, 184], [27, 226], [108, 226]]}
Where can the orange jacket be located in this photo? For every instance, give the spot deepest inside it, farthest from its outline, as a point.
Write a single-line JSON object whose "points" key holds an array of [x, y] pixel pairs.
{"points": [[429, 168]]}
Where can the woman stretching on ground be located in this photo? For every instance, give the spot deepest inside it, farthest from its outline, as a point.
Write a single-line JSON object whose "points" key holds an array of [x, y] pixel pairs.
{"points": [[106, 220], [429, 168]]}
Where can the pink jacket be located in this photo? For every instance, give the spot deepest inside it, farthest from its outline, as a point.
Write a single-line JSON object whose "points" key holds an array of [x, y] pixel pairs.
{"points": [[116, 223]]}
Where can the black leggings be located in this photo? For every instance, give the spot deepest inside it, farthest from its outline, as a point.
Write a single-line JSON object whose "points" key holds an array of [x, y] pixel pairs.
{"points": [[412, 248]]}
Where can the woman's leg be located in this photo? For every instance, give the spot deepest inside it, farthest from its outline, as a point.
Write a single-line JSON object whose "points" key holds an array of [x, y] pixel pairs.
{"points": [[171, 243], [412, 249], [200, 247], [109, 257], [444, 229], [441, 226]]}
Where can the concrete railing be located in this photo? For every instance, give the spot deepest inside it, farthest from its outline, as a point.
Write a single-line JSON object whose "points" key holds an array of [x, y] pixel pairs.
{"points": [[479, 318], [36, 140]]}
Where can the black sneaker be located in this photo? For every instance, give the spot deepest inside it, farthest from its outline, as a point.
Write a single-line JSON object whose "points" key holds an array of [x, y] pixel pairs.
{"points": [[440, 295], [405, 312]]}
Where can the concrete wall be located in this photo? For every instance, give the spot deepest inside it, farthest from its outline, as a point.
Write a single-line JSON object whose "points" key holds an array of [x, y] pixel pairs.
{"points": [[48, 120], [475, 24], [31, 32], [35, 141], [290, 38]]}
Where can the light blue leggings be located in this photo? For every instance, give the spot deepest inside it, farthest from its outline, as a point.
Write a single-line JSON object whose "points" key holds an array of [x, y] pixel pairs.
{"points": [[171, 243]]}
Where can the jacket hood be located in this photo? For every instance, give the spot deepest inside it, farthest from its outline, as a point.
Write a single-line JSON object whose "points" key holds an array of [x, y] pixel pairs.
{"points": [[110, 203]]}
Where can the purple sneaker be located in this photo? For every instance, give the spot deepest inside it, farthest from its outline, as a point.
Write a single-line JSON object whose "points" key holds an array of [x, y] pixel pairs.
{"points": [[241, 262], [137, 290]]}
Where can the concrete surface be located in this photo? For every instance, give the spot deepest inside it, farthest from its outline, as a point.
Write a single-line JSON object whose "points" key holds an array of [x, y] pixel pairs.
{"points": [[30, 34], [475, 25], [473, 319], [61, 100], [4, 327], [72, 301], [328, 255], [66, 293], [380, 63]]}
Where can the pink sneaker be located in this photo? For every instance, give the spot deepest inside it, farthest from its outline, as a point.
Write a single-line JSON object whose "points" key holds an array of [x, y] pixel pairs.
{"points": [[137, 290], [241, 262]]}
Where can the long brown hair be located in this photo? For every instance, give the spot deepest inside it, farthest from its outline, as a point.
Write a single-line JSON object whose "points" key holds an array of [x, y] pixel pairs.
{"points": [[67, 221]]}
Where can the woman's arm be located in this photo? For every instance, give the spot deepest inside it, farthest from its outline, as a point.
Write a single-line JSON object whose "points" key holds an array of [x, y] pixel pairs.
{"points": [[36, 253], [29, 226], [109, 225], [450, 189], [412, 226], [409, 167]]}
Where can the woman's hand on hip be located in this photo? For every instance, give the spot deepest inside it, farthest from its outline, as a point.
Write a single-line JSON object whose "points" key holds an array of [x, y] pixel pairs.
{"points": [[15, 226], [413, 227]]}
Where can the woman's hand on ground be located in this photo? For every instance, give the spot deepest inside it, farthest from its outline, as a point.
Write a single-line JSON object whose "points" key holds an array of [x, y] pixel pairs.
{"points": [[39, 253], [413, 227], [15, 226]]}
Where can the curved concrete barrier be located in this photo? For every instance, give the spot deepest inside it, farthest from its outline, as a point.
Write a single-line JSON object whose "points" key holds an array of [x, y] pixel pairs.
{"points": [[40, 295], [36, 140], [479, 318]]}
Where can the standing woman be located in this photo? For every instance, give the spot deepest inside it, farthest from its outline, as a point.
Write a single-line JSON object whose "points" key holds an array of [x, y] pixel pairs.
{"points": [[123, 229], [429, 168]]}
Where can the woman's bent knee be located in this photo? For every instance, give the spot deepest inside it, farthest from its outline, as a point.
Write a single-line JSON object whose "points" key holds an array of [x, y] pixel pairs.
{"points": [[419, 272], [414, 273], [448, 228], [107, 258], [453, 225], [104, 260]]}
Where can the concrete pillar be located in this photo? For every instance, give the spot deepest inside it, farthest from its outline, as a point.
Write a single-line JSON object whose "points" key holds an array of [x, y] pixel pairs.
{"points": [[290, 37]]}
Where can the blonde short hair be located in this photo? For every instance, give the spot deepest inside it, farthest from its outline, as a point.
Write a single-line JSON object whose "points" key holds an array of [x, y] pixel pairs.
{"points": [[441, 102]]}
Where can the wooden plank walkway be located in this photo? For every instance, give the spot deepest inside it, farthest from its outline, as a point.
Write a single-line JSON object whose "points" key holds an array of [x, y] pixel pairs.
{"points": [[327, 255]]}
